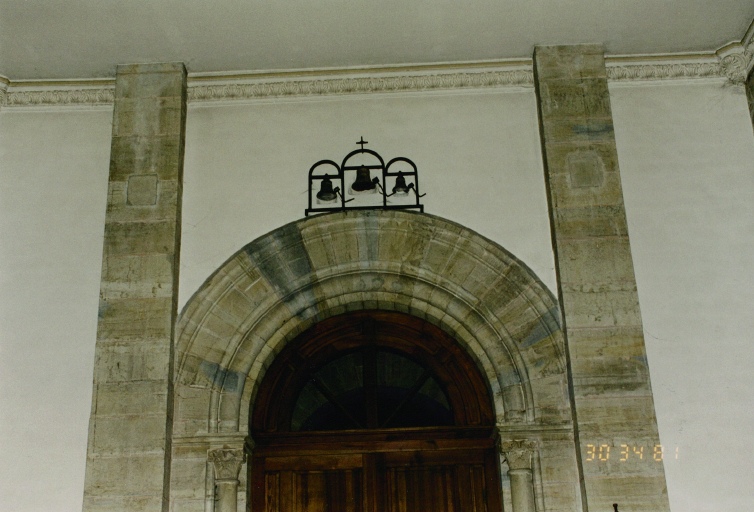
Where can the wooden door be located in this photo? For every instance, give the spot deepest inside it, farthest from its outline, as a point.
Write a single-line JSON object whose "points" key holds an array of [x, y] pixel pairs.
{"points": [[373, 412], [405, 481]]}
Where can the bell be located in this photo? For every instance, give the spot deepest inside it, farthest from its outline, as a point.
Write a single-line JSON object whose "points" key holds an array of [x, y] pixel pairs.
{"points": [[363, 181], [400, 187], [326, 192]]}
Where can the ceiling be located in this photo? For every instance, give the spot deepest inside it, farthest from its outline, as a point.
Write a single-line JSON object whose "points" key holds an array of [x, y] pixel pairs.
{"points": [[49, 39]]}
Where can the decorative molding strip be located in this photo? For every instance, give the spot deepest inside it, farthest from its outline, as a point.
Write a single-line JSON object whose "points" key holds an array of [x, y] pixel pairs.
{"points": [[60, 96], [356, 85], [624, 69], [733, 61]]}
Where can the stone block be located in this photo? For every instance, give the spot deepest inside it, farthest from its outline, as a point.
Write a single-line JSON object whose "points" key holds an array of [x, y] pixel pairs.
{"points": [[585, 169], [125, 475], [608, 417], [131, 397], [559, 153], [135, 319], [147, 117], [137, 276], [136, 154], [132, 361], [126, 434], [190, 505], [639, 493], [590, 221], [140, 237], [579, 97], [601, 307], [551, 399], [407, 243], [137, 503], [150, 80], [563, 195], [611, 376], [316, 248], [595, 260], [118, 209], [438, 257], [572, 61], [141, 190], [621, 341], [594, 130], [188, 473]]}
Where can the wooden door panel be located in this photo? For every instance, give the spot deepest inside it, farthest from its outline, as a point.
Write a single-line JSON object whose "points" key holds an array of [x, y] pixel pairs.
{"points": [[419, 489], [404, 481], [459, 488], [313, 491]]}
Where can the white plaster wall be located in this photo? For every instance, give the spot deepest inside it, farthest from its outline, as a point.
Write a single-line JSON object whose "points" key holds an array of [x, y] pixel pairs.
{"points": [[53, 191], [686, 153], [478, 156]]}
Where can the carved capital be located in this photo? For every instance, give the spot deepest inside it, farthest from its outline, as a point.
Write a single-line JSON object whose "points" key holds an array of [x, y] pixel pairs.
{"points": [[518, 453], [735, 62], [227, 462]]}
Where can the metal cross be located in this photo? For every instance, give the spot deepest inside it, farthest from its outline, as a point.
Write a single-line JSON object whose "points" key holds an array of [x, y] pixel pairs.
{"points": [[362, 142]]}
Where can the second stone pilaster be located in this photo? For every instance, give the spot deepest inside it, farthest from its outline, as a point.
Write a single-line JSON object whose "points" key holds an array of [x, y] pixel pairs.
{"points": [[608, 371]]}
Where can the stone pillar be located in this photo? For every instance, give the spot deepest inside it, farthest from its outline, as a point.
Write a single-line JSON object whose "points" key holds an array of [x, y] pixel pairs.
{"points": [[128, 456], [608, 372], [518, 454], [227, 464]]}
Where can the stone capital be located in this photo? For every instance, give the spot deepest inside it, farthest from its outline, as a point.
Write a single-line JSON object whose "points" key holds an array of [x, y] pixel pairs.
{"points": [[518, 453], [227, 462]]}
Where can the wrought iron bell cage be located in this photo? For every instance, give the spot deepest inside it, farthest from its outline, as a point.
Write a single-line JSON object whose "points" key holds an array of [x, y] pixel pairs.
{"points": [[362, 181]]}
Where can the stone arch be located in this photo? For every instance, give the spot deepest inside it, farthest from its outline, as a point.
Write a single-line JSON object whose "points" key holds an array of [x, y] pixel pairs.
{"points": [[285, 281]]}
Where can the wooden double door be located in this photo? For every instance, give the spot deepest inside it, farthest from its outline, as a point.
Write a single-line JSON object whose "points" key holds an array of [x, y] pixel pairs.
{"points": [[460, 477], [373, 411]]}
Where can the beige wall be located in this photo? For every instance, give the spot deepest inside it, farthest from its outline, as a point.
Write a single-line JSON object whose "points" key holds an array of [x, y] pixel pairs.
{"points": [[687, 159], [478, 157], [53, 189], [685, 153]]}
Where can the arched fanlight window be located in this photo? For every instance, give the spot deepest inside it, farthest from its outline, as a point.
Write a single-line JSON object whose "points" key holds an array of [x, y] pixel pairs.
{"points": [[370, 389], [371, 370]]}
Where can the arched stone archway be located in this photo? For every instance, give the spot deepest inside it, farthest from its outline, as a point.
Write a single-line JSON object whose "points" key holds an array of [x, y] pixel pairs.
{"points": [[286, 281]]}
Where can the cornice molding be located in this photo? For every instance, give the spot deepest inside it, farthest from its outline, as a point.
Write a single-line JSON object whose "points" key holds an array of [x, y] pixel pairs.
{"points": [[648, 68], [732, 62], [61, 93], [245, 89]]}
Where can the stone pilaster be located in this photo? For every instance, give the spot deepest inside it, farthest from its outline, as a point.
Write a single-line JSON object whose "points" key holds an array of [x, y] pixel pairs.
{"points": [[128, 455], [518, 454], [608, 372]]}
